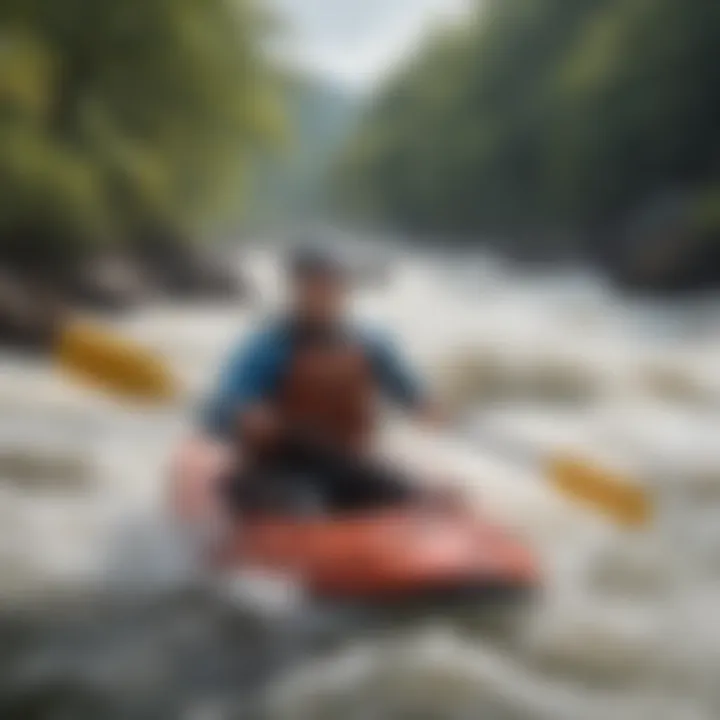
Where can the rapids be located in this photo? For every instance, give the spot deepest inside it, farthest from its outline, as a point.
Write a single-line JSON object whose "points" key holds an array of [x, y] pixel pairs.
{"points": [[533, 363]]}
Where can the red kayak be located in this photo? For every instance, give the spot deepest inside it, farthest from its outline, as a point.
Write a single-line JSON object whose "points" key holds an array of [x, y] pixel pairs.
{"points": [[383, 555], [387, 556]]}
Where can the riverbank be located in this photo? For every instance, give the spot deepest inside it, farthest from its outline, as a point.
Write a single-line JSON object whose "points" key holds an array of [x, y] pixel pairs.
{"points": [[111, 282]]}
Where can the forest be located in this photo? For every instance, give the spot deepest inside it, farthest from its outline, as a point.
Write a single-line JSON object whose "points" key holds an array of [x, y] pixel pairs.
{"points": [[134, 133], [125, 126], [553, 130]]}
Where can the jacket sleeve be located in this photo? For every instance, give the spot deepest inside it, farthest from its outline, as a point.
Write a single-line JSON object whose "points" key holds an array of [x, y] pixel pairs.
{"points": [[394, 374], [249, 375]]}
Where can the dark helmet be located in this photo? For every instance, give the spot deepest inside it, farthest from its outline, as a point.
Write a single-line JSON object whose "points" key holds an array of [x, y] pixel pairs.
{"points": [[306, 263]]}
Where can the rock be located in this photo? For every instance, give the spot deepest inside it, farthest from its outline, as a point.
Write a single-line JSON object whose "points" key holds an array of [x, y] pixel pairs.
{"points": [[182, 270], [27, 310], [108, 282], [215, 279], [666, 245]]}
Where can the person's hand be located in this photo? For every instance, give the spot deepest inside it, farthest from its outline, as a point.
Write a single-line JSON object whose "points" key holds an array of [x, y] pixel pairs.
{"points": [[193, 470], [260, 426]]}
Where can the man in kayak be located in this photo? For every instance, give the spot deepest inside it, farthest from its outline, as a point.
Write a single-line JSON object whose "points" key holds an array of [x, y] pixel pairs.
{"points": [[300, 397]]}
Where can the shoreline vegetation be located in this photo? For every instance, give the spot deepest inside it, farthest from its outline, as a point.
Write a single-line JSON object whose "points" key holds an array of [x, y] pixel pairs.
{"points": [[109, 282], [128, 130], [131, 130], [139, 142], [552, 129]]}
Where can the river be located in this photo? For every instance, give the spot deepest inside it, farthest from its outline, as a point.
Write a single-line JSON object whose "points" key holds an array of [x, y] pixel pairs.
{"points": [[535, 362]]}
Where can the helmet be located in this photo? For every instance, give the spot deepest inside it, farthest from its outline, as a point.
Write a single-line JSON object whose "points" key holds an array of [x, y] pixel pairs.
{"points": [[311, 262]]}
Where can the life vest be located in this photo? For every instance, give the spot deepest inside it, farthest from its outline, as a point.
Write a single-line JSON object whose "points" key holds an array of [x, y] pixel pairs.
{"points": [[329, 389]]}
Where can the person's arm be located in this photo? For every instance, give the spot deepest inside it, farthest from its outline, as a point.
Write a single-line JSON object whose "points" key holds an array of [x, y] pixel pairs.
{"points": [[245, 384], [400, 383]]}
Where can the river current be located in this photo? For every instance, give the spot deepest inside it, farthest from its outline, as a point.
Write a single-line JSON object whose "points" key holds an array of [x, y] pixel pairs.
{"points": [[533, 363]]}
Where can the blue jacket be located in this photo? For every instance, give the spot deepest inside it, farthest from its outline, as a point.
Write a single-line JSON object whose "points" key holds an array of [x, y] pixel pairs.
{"points": [[256, 367]]}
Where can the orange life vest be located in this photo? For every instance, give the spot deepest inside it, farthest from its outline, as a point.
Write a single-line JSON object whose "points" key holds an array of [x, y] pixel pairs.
{"points": [[329, 389]]}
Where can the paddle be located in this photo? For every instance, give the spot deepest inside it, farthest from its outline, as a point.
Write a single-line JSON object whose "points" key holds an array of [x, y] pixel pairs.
{"points": [[97, 357], [33, 318], [108, 362], [583, 480], [616, 496], [115, 365]]}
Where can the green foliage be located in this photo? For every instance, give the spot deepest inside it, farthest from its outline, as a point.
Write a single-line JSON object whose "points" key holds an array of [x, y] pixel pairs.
{"points": [[706, 212], [118, 115], [542, 115]]}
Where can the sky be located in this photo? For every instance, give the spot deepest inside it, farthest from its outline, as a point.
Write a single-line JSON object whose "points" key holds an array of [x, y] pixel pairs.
{"points": [[355, 42]]}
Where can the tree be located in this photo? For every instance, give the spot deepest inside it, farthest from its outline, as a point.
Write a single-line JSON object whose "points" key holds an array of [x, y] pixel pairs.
{"points": [[541, 118], [117, 116]]}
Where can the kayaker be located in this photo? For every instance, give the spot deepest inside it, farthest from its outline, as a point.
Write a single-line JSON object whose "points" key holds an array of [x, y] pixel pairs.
{"points": [[301, 394]]}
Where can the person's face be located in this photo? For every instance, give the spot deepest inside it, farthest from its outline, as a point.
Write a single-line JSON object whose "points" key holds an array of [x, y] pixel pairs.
{"points": [[319, 298]]}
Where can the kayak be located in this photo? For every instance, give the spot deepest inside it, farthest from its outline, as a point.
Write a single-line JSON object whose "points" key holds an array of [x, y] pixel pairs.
{"points": [[413, 552], [387, 556]]}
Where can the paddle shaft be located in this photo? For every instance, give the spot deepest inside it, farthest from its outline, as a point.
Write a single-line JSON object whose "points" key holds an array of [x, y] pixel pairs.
{"points": [[582, 480]]}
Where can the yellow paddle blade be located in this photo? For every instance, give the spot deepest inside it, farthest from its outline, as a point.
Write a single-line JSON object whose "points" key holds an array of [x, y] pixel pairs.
{"points": [[615, 496], [114, 364]]}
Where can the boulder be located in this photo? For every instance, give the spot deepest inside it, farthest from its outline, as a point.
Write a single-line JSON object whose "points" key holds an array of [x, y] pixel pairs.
{"points": [[27, 310], [183, 270], [108, 282], [664, 246]]}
